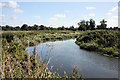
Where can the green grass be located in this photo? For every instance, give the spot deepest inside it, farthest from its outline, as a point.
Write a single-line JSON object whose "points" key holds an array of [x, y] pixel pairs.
{"points": [[38, 36], [102, 41], [16, 63]]}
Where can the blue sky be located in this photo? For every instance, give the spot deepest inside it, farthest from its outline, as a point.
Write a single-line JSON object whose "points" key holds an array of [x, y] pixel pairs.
{"points": [[57, 14]]}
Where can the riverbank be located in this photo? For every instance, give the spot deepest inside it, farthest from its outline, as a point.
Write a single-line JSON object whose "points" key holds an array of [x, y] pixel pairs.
{"points": [[106, 42], [22, 65], [36, 37], [66, 54]]}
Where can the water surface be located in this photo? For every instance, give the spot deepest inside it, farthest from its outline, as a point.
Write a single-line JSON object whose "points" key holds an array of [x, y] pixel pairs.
{"points": [[66, 55]]}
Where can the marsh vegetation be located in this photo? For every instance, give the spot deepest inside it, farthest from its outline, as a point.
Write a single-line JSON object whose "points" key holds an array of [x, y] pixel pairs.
{"points": [[17, 63]]}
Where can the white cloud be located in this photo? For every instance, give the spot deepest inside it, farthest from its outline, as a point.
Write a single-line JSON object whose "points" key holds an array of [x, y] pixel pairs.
{"points": [[60, 15], [112, 21], [88, 8], [37, 16], [56, 17], [3, 15], [18, 11], [109, 14], [10, 4], [13, 17], [53, 19], [92, 14], [115, 9]]}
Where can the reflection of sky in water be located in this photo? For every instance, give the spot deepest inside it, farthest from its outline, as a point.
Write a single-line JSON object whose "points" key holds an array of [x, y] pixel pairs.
{"points": [[66, 55]]}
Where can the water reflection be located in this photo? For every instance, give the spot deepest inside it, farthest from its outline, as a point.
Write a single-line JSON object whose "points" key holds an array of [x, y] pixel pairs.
{"points": [[66, 55]]}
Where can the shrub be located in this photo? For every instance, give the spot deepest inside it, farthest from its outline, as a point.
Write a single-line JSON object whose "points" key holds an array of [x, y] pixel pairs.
{"points": [[105, 41]]}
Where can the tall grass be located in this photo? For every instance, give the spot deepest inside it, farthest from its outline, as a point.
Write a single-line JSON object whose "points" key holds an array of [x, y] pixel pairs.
{"points": [[17, 63], [38, 36]]}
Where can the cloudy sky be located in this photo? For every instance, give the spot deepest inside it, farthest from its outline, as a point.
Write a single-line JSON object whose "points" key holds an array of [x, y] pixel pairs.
{"points": [[57, 14]]}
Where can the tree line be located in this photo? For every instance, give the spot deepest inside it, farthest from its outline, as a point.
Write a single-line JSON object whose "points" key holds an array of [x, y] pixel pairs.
{"points": [[83, 26]]}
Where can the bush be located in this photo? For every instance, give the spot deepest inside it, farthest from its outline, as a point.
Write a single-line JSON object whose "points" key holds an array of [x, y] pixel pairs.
{"points": [[104, 41]]}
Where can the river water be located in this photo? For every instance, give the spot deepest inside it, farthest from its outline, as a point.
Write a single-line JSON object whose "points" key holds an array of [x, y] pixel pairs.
{"points": [[65, 55]]}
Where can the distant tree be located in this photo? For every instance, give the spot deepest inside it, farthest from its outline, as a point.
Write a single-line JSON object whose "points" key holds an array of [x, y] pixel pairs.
{"points": [[7, 27], [17, 28], [66, 28], [82, 25], [42, 27], [62, 28], [103, 24], [110, 28], [98, 26], [30, 28], [3, 28], [92, 24], [36, 27], [87, 25], [24, 27], [115, 28], [72, 28]]}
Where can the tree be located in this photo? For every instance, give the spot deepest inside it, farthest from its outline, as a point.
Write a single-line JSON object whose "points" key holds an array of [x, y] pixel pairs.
{"points": [[62, 28], [98, 26], [30, 28], [17, 28], [87, 25], [82, 25], [7, 27], [24, 27], [42, 27], [103, 24], [36, 27], [92, 24], [115, 28], [72, 28]]}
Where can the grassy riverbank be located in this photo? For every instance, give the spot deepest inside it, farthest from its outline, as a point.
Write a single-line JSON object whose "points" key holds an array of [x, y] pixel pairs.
{"points": [[106, 42], [19, 64], [16, 63], [36, 37]]}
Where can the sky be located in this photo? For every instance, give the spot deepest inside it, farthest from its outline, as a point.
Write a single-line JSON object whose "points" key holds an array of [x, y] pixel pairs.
{"points": [[57, 14]]}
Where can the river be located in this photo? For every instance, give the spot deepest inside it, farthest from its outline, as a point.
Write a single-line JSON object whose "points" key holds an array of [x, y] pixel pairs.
{"points": [[65, 55]]}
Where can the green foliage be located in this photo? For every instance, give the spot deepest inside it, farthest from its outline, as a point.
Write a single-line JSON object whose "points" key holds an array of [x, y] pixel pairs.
{"points": [[104, 41], [36, 37], [75, 74], [83, 26], [86, 25], [16, 63]]}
